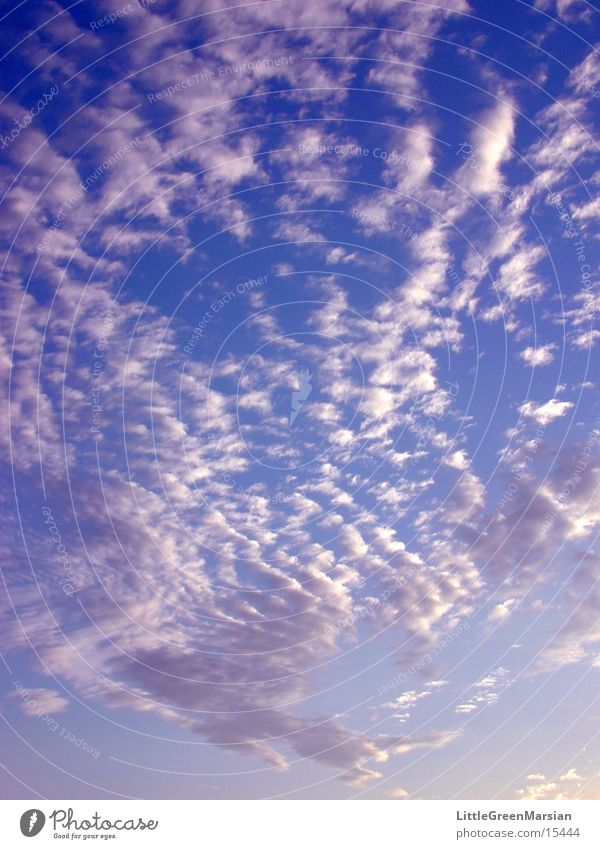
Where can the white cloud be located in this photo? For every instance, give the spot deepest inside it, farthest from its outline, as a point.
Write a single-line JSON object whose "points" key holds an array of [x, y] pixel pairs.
{"points": [[571, 775], [501, 611], [491, 142], [565, 787], [458, 460], [545, 413], [543, 355], [35, 701]]}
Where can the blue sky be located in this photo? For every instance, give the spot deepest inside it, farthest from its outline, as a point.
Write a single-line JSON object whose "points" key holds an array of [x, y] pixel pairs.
{"points": [[300, 437]]}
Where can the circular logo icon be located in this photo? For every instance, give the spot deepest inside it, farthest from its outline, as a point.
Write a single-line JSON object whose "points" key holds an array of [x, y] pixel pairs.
{"points": [[32, 822]]}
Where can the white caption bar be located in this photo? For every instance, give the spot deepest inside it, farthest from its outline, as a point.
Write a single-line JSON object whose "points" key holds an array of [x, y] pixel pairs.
{"points": [[301, 824]]}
